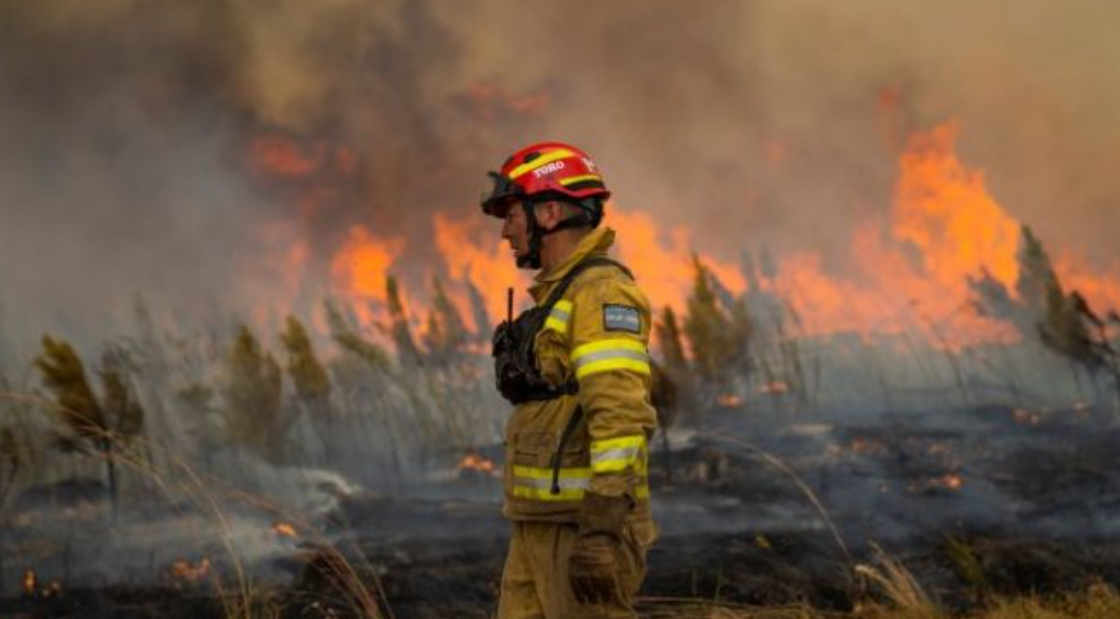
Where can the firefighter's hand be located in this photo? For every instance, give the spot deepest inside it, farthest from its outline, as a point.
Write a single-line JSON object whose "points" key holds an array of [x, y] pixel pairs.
{"points": [[592, 569]]}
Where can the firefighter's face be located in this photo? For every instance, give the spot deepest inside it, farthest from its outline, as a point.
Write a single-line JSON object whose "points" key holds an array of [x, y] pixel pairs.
{"points": [[515, 230]]}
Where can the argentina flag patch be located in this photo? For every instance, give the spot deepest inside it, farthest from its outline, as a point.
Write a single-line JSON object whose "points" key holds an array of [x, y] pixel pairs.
{"points": [[621, 318]]}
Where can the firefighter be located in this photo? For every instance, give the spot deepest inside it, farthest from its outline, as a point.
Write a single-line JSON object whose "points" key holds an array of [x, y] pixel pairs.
{"points": [[576, 366]]}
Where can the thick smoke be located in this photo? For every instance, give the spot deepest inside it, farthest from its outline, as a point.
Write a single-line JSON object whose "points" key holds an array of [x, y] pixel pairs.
{"points": [[126, 127]]}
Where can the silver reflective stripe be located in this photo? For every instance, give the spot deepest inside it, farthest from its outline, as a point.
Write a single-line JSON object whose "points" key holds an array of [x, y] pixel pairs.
{"points": [[559, 314], [610, 353], [564, 484], [622, 454]]}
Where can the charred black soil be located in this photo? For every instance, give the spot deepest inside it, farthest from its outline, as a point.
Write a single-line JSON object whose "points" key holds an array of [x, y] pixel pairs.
{"points": [[977, 505]]}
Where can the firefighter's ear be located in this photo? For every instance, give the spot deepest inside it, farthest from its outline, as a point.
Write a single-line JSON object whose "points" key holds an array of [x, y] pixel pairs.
{"points": [[549, 214]]}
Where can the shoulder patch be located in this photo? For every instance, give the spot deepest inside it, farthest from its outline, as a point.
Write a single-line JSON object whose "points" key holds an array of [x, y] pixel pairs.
{"points": [[621, 318]]}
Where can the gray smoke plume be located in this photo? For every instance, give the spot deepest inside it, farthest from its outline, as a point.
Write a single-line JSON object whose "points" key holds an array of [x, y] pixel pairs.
{"points": [[127, 128]]}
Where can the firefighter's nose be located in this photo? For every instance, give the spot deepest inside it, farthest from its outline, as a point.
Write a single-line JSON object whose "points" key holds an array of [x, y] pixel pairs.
{"points": [[508, 228]]}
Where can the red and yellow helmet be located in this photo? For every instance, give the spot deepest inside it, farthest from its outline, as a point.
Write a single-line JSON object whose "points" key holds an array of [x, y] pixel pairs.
{"points": [[545, 171]]}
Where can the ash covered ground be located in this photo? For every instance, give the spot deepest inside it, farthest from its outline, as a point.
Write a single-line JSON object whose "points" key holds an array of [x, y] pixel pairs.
{"points": [[760, 509]]}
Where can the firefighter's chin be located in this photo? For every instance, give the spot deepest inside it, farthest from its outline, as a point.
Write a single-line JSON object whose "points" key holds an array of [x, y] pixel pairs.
{"points": [[523, 261]]}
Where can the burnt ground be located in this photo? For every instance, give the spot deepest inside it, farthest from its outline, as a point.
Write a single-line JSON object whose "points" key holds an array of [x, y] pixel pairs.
{"points": [[988, 502]]}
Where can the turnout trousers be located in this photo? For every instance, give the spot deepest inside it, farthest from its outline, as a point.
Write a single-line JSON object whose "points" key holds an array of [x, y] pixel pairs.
{"points": [[535, 580]]}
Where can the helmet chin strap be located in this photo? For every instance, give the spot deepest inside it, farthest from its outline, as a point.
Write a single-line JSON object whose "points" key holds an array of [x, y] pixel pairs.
{"points": [[532, 259]]}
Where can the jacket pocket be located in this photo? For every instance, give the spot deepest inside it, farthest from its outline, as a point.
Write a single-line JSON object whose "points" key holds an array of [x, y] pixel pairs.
{"points": [[538, 447], [534, 448]]}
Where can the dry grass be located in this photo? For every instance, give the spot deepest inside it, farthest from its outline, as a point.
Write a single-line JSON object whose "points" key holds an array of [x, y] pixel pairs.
{"points": [[887, 577], [1099, 602], [239, 595], [243, 598], [897, 595]]}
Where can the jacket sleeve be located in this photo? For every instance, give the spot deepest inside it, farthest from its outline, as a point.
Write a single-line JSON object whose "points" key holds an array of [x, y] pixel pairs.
{"points": [[609, 355]]}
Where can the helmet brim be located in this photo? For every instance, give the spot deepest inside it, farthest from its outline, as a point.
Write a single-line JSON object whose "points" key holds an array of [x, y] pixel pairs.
{"points": [[504, 194]]}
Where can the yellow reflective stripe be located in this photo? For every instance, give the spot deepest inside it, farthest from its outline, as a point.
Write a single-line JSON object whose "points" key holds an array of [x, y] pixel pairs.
{"points": [[558, 318], [617, 454], [634, 440], [532, 482], [578, 179], [641, 468], [615, 460], [607, 365], [533, 472], [602, 345], [613, 354], [555, 325], [545, 494], [540, 161], [642, 491], [612, 466]]}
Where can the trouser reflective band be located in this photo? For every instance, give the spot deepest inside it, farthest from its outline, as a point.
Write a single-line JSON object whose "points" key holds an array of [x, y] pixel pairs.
{"points": [[607, 355], [536, 483], [617, 454]]}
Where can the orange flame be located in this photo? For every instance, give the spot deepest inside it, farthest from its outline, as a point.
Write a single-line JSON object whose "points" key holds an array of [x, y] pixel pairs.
{"points": [[477, 463], [283, 529], [662, 261], [914, 271], [30, 581], [1100, 289], [944, 210], [951, 481], [729, 400], [488, 264], [908, 270], [185, 571], [361, 266]]}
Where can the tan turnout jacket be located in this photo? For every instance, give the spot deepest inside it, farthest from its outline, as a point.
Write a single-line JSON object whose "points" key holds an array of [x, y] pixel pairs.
{"points": [[599, 333]]}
